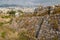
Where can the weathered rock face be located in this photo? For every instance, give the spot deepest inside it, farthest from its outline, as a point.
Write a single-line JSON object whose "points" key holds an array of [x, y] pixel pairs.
{"points": [[50, 27]]}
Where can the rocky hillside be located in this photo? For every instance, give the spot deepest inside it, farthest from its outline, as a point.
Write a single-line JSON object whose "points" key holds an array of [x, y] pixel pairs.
{"points": [[43, 23]]}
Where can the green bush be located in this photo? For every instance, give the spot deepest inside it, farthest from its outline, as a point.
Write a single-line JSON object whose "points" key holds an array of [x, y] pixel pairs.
{"points": [[12, 13]]}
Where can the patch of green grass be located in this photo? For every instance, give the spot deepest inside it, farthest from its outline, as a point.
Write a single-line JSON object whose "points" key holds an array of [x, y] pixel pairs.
{"points": [[3, 34], [1, 23], [5, 16]]}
